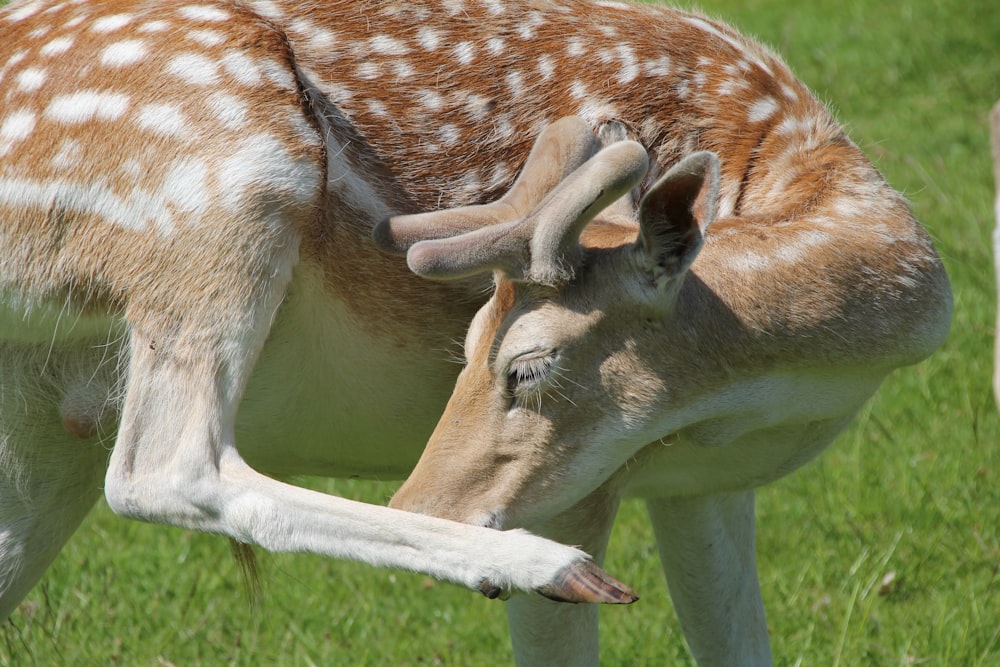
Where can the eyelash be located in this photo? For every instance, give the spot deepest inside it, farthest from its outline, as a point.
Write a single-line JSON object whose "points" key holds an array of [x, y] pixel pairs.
{"points": [[526, 375]]}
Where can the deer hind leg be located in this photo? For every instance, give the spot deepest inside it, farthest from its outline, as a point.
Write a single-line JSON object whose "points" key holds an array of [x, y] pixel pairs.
{"points": [[706, 546], [50, 471]]}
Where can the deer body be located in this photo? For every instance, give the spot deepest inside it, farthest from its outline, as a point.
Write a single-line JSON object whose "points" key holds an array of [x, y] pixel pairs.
{"points": [[187, 199]]}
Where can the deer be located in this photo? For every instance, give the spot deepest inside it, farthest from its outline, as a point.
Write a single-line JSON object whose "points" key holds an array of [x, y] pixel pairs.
{"points": [[238, 241]]}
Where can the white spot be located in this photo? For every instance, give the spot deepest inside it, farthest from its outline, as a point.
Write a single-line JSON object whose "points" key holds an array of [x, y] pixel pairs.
{"points": [[388, 45], [630, 64], [501, 175], [789, 92], [68, 156], [575, 47], [267, 8], [16, 58], [18, 126], [321, 39], [659, 67], [261, 161], [763, 65], [39, 32], [715, 32], [494, 7], [597, 111], [578, 89], [31, 79], [431, 100], [612, 5], [121, 54], [368, 70], [478, 107], [496, 46], [24, 11], [229, 110], [455, 7], [762, 110], [403, 69], [155, 26], [731, 86], [515, 82], [339, 94], [546, 66], [749, 262], [139, 212], [429, 39], [87, 105], [449, 134], [194, 68], [241, 67], [204, 13], [527, 29], [792, 125], [465, 52], [503, 126], [376, 108], [206, 37], [798, 247], [57, 46], [75, 21], [163, 119], [132, 168], [470, 184], [111, 23], [185, 185], [278, 74]]}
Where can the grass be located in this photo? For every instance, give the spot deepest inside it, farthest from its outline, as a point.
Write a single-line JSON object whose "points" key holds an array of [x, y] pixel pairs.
{"points": [[885, 551]]}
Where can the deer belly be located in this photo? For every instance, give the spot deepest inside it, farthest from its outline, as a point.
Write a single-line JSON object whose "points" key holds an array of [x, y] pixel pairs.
{"points": [[331, 397]]}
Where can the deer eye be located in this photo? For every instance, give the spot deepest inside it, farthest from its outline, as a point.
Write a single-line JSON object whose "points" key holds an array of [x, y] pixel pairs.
{"points": [[527, 372]]}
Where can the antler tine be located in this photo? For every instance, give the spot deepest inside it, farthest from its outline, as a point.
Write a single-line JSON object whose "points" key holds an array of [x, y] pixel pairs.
{"points": [[542, 247], [560, 148], [560, 219]]}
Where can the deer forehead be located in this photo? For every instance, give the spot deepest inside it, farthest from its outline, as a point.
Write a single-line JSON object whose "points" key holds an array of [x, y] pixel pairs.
{"points": [[521, 319]]}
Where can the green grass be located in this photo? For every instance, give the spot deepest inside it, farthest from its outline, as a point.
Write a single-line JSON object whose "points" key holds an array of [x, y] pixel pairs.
{"points": [[883, 552]]}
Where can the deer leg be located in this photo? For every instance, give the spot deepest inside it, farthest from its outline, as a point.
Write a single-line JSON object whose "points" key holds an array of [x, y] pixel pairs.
{"points": [[176, 462], [706, 547], [547, 632], [49, 480]]}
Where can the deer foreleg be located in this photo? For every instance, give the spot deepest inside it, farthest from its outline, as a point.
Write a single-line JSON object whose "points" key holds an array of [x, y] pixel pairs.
{"points": [[706, 547]]}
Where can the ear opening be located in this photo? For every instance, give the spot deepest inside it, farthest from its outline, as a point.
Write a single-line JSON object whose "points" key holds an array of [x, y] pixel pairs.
{"points": [[675, 213]]}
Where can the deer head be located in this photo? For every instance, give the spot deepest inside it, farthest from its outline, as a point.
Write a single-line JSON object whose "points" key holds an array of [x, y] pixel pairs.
{"points": [[568, 366]]}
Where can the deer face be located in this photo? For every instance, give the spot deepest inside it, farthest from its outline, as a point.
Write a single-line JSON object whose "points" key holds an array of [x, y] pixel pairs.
{"points": [[568, 365]]}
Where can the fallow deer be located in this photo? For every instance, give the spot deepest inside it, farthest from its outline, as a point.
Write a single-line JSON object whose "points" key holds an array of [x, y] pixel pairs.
{"points": [[188, 193]]}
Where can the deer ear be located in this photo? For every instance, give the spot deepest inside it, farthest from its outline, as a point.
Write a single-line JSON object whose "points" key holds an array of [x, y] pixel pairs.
{"points": [[675, 213]]}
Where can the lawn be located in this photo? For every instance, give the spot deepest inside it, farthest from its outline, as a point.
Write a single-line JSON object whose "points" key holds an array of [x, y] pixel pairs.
{"points": [[885, 551]]}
